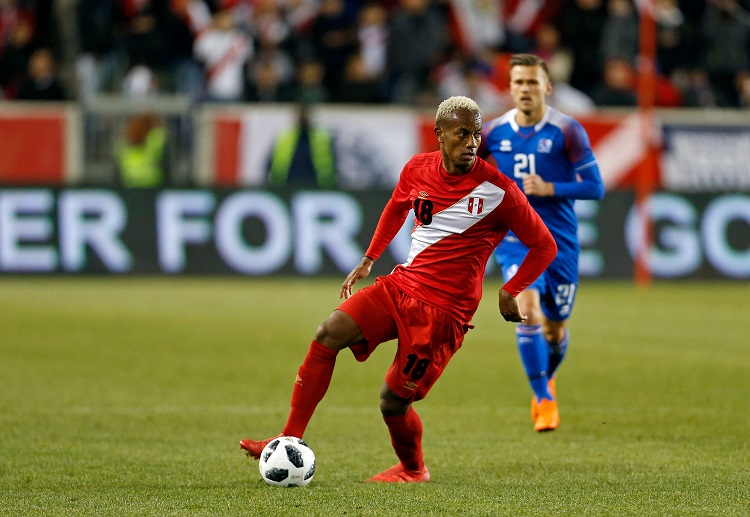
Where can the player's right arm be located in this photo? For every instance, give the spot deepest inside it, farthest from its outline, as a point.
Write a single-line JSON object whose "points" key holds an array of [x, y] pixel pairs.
{"points": [[390, 223], [360, 271]]}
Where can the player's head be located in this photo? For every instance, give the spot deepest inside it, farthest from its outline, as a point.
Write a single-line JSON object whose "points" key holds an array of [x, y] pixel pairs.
{"points": [[529, 83], [458, 128]]}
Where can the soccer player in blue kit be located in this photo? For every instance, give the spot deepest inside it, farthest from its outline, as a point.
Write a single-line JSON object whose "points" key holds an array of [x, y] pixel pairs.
{"points": [[549, 155]]}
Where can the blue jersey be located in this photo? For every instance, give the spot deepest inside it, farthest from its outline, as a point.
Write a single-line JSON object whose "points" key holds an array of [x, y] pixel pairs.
{"points": [[558, 149]]}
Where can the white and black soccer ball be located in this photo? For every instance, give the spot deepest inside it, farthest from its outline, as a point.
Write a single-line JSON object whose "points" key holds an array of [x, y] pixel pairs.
{"points": [[287, 461]]}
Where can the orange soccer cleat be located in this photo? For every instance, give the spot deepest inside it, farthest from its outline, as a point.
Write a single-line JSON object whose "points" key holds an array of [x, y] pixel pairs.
{"points": [[548, 416], [535, 402], [253, 448], [399, 474]]}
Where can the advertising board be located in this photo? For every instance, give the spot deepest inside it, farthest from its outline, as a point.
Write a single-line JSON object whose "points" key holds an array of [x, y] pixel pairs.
{"points": [[303, 232]]}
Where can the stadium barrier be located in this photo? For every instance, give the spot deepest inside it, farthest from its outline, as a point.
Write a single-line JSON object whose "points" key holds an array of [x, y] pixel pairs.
{"points": [[229, 145]]}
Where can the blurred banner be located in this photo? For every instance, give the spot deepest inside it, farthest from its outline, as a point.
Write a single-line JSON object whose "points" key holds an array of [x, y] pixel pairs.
{"points": [[372, 146], [700, 159], [694, 157], [262, 232]]}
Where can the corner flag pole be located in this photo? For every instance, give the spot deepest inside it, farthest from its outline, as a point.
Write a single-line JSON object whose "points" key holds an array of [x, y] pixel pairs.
{"points": [[646, 174]]}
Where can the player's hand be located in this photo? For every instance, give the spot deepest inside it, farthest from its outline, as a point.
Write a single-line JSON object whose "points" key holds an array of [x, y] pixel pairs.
{"points": [[361, 270], [509, 308], [534, 185]]}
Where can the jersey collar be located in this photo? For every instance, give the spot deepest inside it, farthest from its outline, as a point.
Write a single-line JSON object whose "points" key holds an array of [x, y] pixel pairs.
{"points": [[539, 125]]}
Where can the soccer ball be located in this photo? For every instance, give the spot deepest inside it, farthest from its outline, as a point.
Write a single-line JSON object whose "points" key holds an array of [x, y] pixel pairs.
{"points": [[287, 461]]}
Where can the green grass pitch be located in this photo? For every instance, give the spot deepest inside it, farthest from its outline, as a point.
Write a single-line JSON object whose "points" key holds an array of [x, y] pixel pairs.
{"points": [[127, 396]]}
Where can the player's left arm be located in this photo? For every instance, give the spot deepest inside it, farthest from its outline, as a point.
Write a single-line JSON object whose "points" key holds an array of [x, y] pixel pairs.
{"points": [[526, 224], [523, 220], [588, 184]]}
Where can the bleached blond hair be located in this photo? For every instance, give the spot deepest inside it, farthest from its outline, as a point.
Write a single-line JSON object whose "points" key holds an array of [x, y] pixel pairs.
{"points": [[449, 107]]}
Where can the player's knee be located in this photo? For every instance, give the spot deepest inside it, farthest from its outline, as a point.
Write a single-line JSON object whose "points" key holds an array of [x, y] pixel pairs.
{"points": [[325, 337], [391, 404], [338, 331], [554, 334]]}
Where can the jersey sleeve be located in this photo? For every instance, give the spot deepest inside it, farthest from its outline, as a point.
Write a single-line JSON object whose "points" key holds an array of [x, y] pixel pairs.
{"points": [[523, 221], [392, 219], [578, 150]]}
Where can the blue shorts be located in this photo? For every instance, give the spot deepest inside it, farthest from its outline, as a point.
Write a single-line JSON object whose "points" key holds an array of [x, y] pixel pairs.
{"points": [[557, 286]]}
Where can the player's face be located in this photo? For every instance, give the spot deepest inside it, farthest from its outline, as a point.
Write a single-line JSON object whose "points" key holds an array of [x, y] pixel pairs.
{"points": [[529, 87], [459, 140]]}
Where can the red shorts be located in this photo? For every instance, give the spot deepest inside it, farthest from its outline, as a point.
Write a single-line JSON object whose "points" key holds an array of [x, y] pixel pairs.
{"points": [[427, 337]]}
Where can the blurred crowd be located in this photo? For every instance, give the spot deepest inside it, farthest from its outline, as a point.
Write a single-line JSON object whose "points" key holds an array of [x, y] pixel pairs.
{"points": [[413, 52]]}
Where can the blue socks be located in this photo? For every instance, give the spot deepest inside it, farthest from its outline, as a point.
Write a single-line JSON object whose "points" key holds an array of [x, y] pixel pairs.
{"points": [[557, 353], [535, 355]]}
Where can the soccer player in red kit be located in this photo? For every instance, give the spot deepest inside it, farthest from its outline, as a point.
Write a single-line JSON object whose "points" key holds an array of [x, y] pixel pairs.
{"points": [[463, 208]]}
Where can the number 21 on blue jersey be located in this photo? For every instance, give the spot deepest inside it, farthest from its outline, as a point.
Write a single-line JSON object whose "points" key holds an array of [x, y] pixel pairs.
{"points": [[525, 164]]}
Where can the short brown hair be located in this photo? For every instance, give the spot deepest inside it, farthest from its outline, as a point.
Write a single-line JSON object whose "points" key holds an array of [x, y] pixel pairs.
{"points": [[528, 60]]}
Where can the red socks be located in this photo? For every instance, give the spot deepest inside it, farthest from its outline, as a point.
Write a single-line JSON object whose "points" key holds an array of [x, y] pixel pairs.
{"points": [[313, 379], [406, 438]]}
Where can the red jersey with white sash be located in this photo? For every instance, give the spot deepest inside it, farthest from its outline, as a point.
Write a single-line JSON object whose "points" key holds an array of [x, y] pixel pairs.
{"points": [[459, 220]]}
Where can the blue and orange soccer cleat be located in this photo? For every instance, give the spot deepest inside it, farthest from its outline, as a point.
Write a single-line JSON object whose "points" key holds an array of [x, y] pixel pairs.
{"points": [[399, 474], [253, 448]]}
